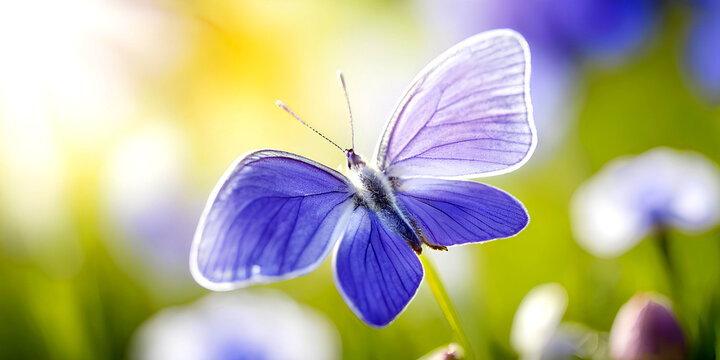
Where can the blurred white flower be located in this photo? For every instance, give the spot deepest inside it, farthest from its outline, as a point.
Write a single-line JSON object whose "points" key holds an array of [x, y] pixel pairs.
{"points": [[646, 328], [238, 325], [537, 319], [632, 196], [150, 209], [538, 331]]}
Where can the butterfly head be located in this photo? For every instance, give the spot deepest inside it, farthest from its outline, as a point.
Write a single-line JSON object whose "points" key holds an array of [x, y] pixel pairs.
{"points": [[354, 160]]}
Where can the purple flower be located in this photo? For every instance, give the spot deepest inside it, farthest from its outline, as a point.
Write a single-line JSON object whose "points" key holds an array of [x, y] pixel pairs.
{"points": [[561, 34], [703, 48], [245, 325], [646, 328], [589, 29], [634, 195]]}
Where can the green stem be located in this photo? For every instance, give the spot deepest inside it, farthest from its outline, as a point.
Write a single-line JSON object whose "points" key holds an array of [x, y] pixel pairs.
{"points": [[447, 308], [663, 241]]}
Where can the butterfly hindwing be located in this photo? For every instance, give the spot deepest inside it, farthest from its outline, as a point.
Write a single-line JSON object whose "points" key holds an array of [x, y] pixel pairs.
{"points": [[452, 212], [376, 272], [272, 216], [467, 113]]}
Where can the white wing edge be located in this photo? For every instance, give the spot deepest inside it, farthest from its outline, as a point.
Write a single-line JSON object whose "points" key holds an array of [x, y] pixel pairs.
{"points": [[410, 90]]}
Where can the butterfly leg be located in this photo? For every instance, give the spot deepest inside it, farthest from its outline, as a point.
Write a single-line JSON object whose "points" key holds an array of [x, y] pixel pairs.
{"points": [[431, 245]]}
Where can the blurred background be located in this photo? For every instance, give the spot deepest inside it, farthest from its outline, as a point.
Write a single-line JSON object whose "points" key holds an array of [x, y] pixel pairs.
{"points": [[118, 117]]}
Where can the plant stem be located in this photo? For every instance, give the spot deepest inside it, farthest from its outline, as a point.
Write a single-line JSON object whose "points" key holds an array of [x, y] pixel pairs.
{"points": [[663, 241], [447, 308]]}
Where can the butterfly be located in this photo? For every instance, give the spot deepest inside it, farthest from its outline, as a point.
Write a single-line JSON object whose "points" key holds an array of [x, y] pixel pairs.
{"points": [[275, 215]]}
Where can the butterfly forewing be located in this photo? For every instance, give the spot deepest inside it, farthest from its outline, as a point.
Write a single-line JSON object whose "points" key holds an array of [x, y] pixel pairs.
{"points": [[273, 216], [467, 114]]}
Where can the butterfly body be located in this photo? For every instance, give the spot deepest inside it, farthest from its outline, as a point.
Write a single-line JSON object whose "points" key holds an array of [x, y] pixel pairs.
{"points": [[376, 192]]}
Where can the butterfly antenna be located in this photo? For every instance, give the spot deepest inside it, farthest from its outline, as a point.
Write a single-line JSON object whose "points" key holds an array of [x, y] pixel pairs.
{"points": [[341, 79], [286, 108]]}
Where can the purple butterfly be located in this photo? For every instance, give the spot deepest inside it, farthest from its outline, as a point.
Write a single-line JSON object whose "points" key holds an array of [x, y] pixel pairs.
{"points": [[276, 215]]}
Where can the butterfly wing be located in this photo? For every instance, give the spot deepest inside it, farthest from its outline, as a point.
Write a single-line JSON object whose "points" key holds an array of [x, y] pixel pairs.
{"points": [[375, 270], [466, 114], [452, 212], [273, 216]]}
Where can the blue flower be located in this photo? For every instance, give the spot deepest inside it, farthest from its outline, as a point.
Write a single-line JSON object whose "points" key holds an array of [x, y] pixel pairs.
{"points": [[244, 325], [703, 48], [589, 29], [561, 34]]}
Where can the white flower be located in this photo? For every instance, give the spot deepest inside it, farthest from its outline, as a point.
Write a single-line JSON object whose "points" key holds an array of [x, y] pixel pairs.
{"points": [[538, 331], [632, 196], [238, 325], [537, 319]]}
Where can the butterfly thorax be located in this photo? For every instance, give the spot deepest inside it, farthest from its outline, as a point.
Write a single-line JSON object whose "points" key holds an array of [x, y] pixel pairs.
{"points": [[375, 191]]}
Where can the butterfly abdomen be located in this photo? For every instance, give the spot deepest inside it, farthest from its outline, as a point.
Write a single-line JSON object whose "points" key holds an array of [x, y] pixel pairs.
{"points": [[376, 193]]}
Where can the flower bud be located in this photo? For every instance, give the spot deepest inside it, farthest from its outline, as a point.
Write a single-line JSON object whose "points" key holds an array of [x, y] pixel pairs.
{"points": [[450, 351], [646, 328]]}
